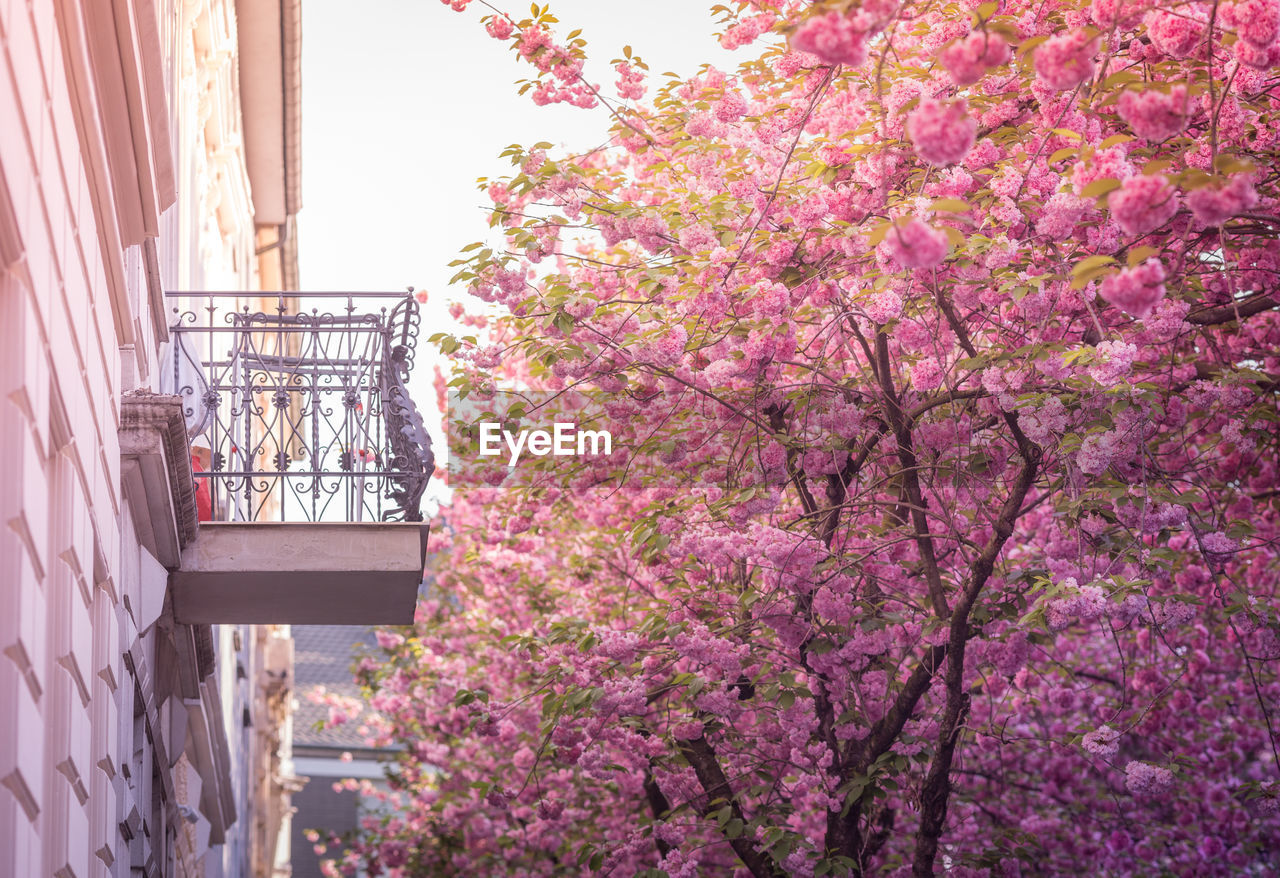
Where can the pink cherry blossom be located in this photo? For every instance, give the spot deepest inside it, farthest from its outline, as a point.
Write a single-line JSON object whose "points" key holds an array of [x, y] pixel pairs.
{"points": [[1214, 205], [1065, 61], [499, 27], [1093, 458], [942, 133], [833, 37], [1153, 114], [1102, 741], [1218, 546], [1113, 361], [1061, 213], [1258, 22], [747, 30], [968, 59], [1143, 204], [927, 375], [884, 306], [1143, 779], [1136, 290], [1080, 604], [1258, 57], [1109, 13], [1177, 32], [917, 245]]}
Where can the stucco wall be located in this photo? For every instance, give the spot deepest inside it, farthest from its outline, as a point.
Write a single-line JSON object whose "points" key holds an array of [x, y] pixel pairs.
{"points": [[108, 110]]}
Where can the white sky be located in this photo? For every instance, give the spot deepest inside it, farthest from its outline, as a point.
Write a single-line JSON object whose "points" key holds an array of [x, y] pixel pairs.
{"points": [[406, 102]]}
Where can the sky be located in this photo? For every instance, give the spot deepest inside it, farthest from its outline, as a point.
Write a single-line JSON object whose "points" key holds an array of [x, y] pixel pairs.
{"points": [[406, 102]]}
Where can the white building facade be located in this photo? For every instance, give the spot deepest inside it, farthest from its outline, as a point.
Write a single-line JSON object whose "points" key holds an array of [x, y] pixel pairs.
{"points": [[136, 157]]}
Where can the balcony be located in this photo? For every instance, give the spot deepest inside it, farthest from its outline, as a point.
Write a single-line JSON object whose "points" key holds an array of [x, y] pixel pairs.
{"points": [[310, 458]]}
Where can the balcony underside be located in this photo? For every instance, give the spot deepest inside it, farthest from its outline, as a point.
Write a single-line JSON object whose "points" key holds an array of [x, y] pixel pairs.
{"points": [[300, 573]]}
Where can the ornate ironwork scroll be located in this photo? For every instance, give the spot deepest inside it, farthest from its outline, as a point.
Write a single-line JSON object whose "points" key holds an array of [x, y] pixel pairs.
{"points": [[309, 416]]}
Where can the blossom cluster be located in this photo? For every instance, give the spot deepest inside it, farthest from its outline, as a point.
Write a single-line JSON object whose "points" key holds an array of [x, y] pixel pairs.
{"points": [[939, 347]]}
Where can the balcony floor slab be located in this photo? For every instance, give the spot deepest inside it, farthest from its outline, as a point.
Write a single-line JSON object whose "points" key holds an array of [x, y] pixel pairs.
{"points": [[300, 573]]}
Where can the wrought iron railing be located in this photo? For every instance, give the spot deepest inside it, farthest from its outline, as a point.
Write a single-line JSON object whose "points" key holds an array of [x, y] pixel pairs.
{"points": [[303, 401]]}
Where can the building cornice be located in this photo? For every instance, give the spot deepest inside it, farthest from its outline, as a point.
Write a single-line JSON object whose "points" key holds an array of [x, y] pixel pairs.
{"points": [[156, 473], [10, 237]]}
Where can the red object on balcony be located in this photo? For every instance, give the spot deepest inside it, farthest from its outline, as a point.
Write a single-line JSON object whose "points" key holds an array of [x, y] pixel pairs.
{"points": [[204, 502]]}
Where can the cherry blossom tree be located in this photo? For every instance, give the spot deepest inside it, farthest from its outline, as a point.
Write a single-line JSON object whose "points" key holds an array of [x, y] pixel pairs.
{"points": [[940, 342]]}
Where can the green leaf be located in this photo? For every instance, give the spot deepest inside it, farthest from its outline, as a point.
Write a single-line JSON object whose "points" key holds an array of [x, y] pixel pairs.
{"points": [[950, 205], [1030, 45], [1088, 269], [1230, 164], [1196, 179], [1123, 77], [1098, 188], [1139, 255], [878, 231]]}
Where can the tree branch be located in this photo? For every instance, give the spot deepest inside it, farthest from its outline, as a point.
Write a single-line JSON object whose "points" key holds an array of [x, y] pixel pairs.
{"points": [[659, 805], [1254, 304], [935, 793], [702, 758], [910, 478]]}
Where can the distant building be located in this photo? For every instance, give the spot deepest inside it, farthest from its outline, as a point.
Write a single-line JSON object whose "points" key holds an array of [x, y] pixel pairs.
{"points": [[324, 655]]}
